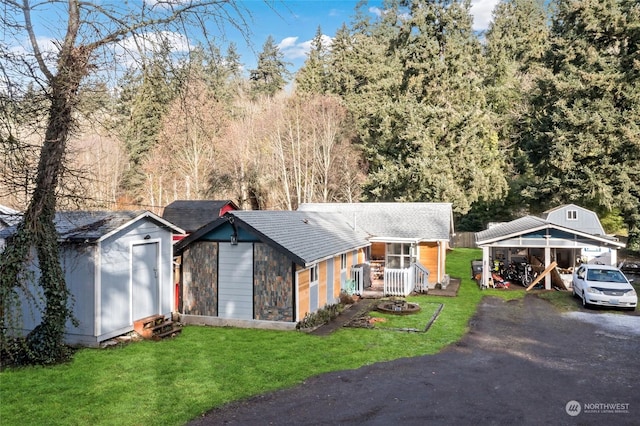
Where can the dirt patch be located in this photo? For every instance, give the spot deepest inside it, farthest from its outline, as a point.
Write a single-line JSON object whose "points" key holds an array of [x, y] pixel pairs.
{"points": [[522, 362]]}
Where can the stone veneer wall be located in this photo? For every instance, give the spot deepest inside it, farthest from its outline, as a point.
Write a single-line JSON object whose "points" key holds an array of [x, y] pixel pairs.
{"points": [[200, 278], [273, 286]]}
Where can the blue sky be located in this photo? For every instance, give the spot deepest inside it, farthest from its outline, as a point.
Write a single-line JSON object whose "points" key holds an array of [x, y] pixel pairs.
{"points": [[293, 24]]}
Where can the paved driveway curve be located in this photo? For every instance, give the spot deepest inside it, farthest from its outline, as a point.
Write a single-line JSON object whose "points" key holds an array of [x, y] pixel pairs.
{"points": [[521, 363]]}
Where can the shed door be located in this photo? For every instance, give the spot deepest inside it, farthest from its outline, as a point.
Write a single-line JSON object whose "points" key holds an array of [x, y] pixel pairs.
{"points": [[145, 292], [235, 281]]}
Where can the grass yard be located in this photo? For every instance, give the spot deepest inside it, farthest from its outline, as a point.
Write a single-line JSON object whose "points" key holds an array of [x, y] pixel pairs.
{"points": [[170, 382], [415, 322]]}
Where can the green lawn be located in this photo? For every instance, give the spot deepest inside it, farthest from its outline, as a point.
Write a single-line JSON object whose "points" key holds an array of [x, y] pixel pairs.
{"points": [[173, 381]]}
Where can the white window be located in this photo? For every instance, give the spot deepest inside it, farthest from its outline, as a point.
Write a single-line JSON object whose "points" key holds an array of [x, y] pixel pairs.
{"points": [[314, 274], [572, 215], [343, 261], [399, 256]]}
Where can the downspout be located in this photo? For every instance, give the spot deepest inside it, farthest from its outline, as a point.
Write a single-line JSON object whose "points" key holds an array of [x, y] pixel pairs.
{"points": [[294, 293]]}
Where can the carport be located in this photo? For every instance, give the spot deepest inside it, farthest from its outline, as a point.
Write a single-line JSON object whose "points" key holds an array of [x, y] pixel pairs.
{"points": [[533, 237]]}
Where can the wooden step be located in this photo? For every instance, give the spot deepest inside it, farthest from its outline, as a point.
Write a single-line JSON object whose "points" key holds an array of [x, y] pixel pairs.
{"points": [[155, 327], [169, 333]]}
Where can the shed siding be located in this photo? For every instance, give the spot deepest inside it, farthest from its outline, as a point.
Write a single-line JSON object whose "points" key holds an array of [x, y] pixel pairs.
{"points": [[303, 293], [79, 275], [273, 287], [428, 257], [322, 283], [199, 279], [235, 281], [330, 278], [337, 274], [115, 286]]}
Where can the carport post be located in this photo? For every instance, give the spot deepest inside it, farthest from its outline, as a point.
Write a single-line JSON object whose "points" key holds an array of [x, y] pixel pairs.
{"points": [[547, 262], [485, 267]]}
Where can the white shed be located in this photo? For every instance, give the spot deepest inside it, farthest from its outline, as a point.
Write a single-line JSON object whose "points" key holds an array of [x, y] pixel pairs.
{"points": [[118, 268]]}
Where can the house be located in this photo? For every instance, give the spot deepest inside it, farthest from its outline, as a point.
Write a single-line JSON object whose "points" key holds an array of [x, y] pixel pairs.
{"points": [[193, 214], [266, 268], [401, 234], [118, 269], [567, 235]]}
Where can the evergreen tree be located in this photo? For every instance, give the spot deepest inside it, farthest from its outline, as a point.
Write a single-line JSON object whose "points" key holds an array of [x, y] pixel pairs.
{"points": [[585, 130], [146, 95], [421, 107], [516, 41], [313, 76], [271, 74]]}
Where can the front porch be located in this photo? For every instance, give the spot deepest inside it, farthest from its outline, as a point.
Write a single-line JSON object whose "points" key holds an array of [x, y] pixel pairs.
{"points": [[368, 282]]}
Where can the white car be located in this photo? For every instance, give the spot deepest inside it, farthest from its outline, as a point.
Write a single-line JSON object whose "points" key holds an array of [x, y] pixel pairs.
{"points": [[603, 285]]}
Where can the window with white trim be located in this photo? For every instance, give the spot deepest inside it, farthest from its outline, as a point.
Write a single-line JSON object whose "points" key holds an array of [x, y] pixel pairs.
{"points": [[343, 261], [313, 274], [572, 215], [399, 255]]}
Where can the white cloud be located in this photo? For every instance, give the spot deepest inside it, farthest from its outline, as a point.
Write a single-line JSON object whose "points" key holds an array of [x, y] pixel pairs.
{"points": [[482, 13], [292, 49], [376, 11]]}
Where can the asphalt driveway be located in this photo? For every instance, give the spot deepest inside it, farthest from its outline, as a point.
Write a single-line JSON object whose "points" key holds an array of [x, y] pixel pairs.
{"points": [[521, 363]]}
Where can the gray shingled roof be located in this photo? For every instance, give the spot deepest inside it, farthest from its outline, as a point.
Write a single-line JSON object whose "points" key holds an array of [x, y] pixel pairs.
{"points": [[515, 227], [91, 226], [309, 236], [193, 214], [420, 221], [524, 225], [306, 237], [9, 216]]}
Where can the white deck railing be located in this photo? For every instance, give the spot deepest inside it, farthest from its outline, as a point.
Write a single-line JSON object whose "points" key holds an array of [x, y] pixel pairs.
{"points": [[357, 275], [421, 278], [397, 282], [402, 282]]}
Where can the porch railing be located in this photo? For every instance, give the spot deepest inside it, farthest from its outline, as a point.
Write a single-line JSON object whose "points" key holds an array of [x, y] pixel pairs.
{"points": [[397, 282], [402, 282], [357, 276], [421, 278]]}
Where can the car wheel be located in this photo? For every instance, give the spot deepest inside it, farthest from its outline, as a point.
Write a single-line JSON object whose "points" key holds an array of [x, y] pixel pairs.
{"points": [[584, 300], [573, 291]]}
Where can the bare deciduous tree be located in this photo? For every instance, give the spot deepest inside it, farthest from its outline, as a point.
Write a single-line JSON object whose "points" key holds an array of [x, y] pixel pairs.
{"points": [[89, 39]]}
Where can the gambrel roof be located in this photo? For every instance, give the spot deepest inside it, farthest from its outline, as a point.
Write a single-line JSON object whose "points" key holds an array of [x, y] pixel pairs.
{"points": [[305, 237], [394, 221]]}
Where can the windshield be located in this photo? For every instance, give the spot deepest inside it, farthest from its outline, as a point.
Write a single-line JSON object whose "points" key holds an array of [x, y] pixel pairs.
{"points": [[605, 275]]}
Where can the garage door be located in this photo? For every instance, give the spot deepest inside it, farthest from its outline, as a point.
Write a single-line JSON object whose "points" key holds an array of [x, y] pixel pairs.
{"points": [[235, 281]]}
